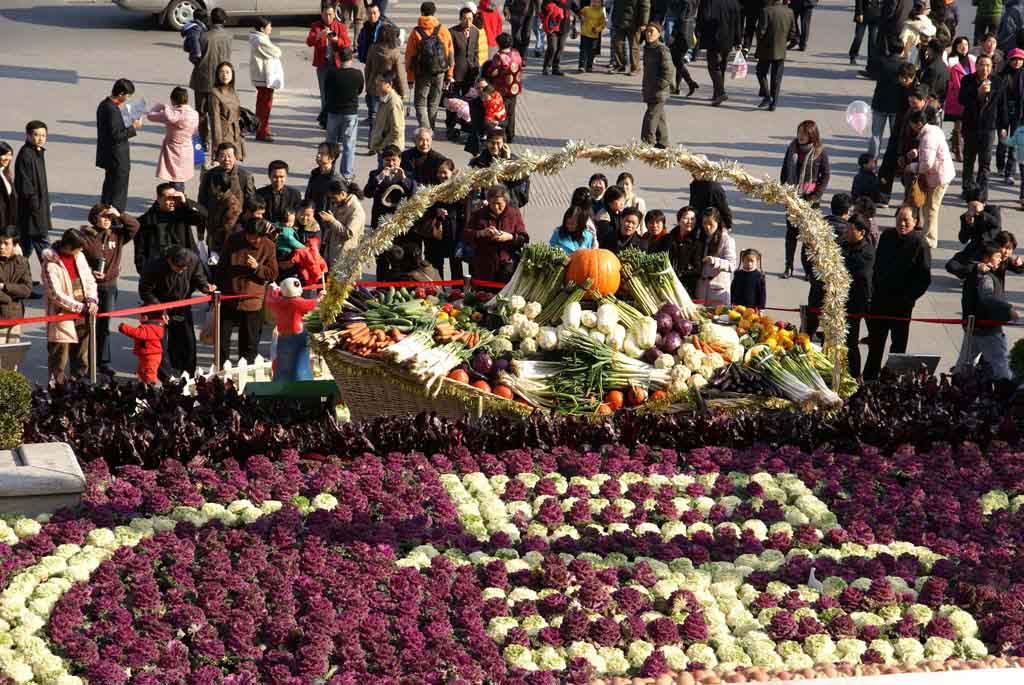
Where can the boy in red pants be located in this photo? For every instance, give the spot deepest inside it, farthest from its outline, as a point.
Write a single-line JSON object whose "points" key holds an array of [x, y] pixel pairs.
{"points": [[149, 348]]}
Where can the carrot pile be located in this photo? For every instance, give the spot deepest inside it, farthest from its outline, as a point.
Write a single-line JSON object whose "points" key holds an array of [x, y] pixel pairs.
{"points": [[445, 332], [358, 338], [710, 348]]}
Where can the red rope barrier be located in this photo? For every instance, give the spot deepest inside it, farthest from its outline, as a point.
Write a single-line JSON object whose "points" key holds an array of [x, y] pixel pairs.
{"points": [[177, 304], [407, 284]]}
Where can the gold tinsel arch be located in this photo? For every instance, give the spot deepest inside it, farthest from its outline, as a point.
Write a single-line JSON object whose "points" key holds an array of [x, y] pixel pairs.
{"points": [[816, 234]]}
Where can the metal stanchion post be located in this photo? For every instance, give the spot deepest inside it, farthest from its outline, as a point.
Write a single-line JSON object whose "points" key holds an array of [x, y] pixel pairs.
{"points": [[216, 329], [803, 318], [968, 352], [91, 323]]}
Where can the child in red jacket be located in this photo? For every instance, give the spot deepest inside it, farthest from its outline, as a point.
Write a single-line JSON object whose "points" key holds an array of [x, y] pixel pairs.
{"points": [[149, 348]]}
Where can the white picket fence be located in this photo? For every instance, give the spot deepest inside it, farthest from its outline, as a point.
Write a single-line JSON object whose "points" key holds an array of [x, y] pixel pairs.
{"points": [[260, 370], [239, 374]]}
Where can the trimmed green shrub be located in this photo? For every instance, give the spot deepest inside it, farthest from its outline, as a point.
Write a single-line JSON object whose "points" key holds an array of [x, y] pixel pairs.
{"points": [[15, 406]]}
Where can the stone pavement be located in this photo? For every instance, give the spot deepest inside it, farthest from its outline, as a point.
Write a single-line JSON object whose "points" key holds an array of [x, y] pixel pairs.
{"points": [[60, 60]]}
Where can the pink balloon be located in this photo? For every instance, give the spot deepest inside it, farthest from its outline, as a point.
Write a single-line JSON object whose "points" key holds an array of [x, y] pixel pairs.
{"points": [[859, 122]]}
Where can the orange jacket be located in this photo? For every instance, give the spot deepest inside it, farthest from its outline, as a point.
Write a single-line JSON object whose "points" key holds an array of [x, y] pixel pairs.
{"points": [[428, 24]]}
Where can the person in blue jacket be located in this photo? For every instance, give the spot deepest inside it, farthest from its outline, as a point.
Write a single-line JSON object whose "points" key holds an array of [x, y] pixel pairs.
{"points": [[572, 235]]}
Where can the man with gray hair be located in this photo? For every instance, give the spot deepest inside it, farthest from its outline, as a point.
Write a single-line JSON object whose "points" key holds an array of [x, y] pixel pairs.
{"points": [[421, 161]]}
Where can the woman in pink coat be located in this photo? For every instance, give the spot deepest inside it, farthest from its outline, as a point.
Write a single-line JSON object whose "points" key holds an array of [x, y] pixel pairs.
{"points": [[960, 63], [177, 159]]}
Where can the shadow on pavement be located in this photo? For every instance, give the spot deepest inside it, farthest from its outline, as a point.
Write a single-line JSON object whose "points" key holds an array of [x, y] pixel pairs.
{"points": [[9, 71], [80, 17]]}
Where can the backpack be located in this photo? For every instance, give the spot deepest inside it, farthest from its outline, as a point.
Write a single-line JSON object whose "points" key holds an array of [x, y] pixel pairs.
{"points": [[431, 57]]}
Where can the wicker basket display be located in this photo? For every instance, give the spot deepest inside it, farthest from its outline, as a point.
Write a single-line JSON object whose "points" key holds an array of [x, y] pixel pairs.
{"points": [[370, 388]]}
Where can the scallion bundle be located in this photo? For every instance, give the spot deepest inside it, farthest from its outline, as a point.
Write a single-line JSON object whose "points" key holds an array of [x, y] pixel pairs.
{"points": [[653, 282], [538, 278], [794, 376]]}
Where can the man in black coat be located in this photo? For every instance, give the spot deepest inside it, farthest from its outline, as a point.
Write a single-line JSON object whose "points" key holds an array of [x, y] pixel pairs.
{"points": [[718, 25], [859, 260], [841, 207], [170, 276], [112, 150], [895, 79], [866, 15], [802, 11], [388, 185], [773, 32], [497, 149], [983, 96], [520, 14], [32, 190], [704, 194], [167, 223], [278, 196], [421, 161], [981, 222], [628, 17], [890, 24], [984, 297], [934, 73], [902, 275], [618, 238]]}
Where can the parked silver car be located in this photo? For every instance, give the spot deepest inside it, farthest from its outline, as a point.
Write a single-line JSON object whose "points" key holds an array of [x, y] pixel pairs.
{"points": [[174, 14]]}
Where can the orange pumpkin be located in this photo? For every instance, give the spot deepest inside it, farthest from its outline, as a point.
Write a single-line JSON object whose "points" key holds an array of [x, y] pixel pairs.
{"points": [[602, 267]]}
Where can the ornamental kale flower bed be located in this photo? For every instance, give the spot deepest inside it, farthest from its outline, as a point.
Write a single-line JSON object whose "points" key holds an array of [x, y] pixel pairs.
{"points": [[132, 424], [525, 566]]}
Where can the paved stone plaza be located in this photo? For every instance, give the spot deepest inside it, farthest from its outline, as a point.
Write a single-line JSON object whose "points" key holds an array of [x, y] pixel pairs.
{"points": [[59, 61]]}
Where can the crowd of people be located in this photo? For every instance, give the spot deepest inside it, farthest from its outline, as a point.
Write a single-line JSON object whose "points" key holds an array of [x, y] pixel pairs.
{"points": [[235, 239]]}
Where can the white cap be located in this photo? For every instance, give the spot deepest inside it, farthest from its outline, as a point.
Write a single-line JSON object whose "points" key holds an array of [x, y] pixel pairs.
{"points": [[470, 6], [291, 287]]}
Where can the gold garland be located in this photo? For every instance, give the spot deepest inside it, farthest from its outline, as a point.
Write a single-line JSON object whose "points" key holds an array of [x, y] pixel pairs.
{"points": [[816, 234]]}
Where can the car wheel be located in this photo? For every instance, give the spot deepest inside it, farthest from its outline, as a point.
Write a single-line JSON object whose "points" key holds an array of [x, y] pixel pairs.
{"points": [[179, 13]]}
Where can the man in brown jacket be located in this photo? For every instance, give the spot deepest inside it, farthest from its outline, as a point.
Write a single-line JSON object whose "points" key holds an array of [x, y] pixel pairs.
{"points": [[247, 264], [15, 284]]}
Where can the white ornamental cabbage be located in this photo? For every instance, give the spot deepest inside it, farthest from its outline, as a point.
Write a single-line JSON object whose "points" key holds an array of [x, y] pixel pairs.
{"points": [[638, 651]]}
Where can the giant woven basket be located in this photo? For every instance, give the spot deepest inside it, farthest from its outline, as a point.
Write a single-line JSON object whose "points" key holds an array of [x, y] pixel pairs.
{"points": [[372, 388]]}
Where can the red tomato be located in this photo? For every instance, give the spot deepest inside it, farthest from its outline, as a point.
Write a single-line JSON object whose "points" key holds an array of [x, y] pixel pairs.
{"points": [[502, 391], [459, 375], [614, 399]]}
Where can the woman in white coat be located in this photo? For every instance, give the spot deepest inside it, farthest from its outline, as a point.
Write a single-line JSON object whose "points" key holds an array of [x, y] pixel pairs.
{"points": [[265, 72], [68, 288], [715, 284], [177, 158]]}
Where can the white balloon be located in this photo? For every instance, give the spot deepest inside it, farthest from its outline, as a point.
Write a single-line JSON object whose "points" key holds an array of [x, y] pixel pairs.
{"points": [[858, 117]]}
